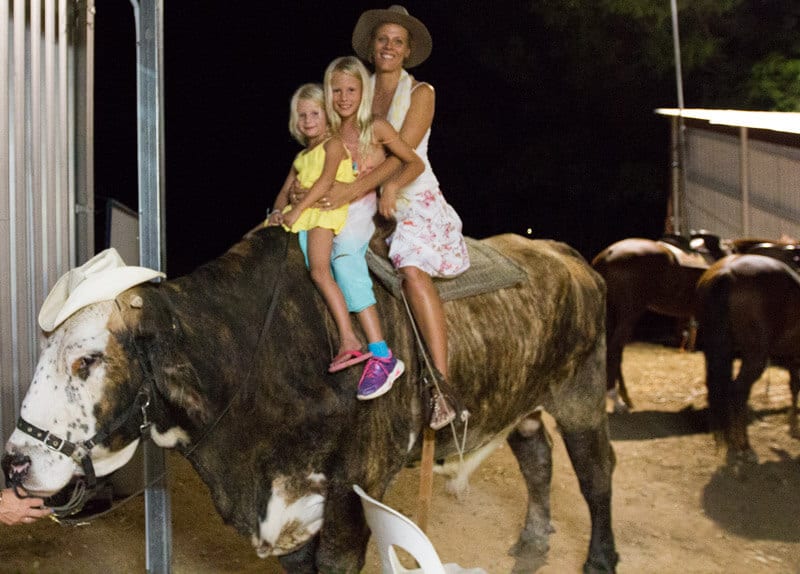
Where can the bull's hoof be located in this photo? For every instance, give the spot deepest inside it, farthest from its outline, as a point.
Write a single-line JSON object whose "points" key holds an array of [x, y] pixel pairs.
{"points": [[603, 566], [530, 551], [528, 564]]}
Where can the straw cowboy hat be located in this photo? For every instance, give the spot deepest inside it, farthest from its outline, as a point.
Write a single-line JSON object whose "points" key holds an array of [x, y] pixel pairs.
{"points": [[101, 278], [421, 42]]}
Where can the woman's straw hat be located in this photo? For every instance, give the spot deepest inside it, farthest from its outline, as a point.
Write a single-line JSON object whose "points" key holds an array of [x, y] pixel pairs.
{"points": [[421, 41]]}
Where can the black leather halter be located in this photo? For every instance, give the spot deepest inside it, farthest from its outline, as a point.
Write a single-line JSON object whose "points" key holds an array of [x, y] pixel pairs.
{"points": [[81, 452]]}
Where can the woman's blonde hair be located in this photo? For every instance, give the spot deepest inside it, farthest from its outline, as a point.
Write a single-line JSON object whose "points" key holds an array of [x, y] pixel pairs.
{"points": [[312, 92], [351, 66]]}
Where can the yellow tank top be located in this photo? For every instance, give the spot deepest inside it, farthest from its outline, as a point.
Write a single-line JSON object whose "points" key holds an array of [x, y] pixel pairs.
{"points": [[309, 164]]}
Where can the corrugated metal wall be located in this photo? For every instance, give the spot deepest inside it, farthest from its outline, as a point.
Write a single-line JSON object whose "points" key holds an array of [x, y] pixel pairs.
{"points": [[46, 186], [740, 186]]}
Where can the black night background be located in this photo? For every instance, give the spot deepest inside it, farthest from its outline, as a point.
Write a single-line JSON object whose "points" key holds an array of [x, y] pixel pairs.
{"points": [[545, 121]]}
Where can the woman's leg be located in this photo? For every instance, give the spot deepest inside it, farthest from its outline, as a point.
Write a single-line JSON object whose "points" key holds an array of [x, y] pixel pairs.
{"points": [[429, 315], [428, 312], [320, 241]]}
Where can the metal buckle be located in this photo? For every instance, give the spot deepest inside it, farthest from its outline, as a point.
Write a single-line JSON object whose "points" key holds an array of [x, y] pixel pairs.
{"points": [[54, 442]]}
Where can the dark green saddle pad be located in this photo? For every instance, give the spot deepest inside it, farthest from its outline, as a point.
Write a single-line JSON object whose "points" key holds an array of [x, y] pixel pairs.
{"points": [[489, 270]]}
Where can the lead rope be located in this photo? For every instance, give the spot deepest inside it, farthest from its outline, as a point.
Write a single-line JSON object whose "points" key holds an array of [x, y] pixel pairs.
{"points": [[460, 445]]}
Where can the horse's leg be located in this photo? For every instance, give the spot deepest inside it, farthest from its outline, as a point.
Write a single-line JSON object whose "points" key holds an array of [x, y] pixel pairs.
{"points": [[532, 445], [794, 387], [752, 366], [619, 335]]}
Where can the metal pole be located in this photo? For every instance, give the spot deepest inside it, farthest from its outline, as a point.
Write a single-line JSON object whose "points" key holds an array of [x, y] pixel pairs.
{"points": [[679, 191], [744, 179], [149, 16]]}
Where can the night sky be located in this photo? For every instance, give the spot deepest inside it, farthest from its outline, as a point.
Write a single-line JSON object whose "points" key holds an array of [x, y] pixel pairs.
{"points": [[513, 147]]}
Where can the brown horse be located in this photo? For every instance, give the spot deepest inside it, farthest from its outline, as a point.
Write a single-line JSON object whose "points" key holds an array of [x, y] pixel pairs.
{"points": [[748, 305], [642, 275]]}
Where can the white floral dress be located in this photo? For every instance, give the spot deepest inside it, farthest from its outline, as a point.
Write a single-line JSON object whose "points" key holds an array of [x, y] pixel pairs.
{"points": [[428, 233]]}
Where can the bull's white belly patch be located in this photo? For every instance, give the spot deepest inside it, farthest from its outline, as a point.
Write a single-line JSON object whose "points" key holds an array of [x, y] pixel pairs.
{"points": [[294, 514]]}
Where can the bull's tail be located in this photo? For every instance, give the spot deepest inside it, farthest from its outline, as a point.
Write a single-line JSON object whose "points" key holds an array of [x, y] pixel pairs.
{"points": [[718, 347]]}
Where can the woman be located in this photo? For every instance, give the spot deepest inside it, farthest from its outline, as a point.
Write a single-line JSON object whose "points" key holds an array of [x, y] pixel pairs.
{"points": [[427, 241]]}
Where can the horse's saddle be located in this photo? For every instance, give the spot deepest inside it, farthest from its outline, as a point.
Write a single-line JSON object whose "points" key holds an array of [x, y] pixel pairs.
{"points": [[686, 258], [489, 270]]}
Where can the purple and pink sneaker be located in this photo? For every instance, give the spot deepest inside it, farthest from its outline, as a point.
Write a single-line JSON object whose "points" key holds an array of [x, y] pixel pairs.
{"points": [[378, 377]]}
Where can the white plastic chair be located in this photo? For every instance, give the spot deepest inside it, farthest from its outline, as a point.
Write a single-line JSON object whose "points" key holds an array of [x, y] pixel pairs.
{"points": [[390, 528]]}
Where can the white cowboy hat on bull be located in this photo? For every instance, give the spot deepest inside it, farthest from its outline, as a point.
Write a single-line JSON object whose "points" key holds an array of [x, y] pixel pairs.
{"points": [[101, 278], [420, 39]]}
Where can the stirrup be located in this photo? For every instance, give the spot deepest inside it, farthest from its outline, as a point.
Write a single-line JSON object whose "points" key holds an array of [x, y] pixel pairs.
{"points": [[442, 414]]}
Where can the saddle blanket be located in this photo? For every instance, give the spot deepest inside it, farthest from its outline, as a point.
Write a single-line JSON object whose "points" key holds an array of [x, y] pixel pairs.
{"points": [[488, 270]]}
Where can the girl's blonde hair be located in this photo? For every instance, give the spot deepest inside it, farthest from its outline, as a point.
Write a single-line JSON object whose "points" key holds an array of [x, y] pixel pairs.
{"points": [[312, 92], [353, 67]]}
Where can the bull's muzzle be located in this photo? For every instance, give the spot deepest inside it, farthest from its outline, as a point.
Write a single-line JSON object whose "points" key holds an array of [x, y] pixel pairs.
{"points": [[15, 468]]}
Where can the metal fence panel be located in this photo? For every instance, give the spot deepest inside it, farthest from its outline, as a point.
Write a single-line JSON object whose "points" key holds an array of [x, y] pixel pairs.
{"points": [[43, 105], [739, 186]]}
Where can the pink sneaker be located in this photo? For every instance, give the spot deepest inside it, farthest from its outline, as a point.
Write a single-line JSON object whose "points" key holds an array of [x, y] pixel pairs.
{"points": [[378, 377]]}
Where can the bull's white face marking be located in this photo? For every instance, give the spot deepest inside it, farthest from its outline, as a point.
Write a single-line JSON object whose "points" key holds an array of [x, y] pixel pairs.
{"points": [[293, 516], [68, 382]]}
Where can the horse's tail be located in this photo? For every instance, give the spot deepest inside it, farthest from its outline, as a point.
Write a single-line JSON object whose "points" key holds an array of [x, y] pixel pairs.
{"points": [[718, 347]]}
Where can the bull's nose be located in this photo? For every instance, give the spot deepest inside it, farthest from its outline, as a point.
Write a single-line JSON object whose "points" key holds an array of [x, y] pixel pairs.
{"points": [[15, 467]]}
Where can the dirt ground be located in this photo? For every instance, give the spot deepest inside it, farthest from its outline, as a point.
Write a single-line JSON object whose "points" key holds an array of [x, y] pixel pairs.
{"points": [[675, 507]]}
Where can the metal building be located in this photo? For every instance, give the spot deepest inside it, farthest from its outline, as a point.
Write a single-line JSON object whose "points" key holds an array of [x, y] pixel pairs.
{"points": [[740, 173], [46, 167]]}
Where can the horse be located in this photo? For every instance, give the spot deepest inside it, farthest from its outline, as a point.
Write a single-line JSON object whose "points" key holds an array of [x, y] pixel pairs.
{"points": [[748, 306], [227, 364], [643, 275]]}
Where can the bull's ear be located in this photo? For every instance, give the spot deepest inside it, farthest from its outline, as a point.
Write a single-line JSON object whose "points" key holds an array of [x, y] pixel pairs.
{"points": [[158, 337]]}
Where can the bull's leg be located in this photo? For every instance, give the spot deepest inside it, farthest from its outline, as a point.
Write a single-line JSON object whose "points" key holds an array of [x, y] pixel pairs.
{"points": [[303, 561], [794, 387], [344, 536], [593, 460], [532, 445]]}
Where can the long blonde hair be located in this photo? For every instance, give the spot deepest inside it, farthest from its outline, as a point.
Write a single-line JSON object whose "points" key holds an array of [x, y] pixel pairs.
{"points": [[353, 67], [311, 92]]}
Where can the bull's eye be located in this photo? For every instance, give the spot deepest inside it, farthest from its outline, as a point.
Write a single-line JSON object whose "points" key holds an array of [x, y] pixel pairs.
{"points": [[83, 366]]}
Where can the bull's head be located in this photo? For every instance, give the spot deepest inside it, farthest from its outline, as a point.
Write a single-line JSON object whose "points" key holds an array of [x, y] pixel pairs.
{"points": [[103, 376], [70, 400], [92, 386]]}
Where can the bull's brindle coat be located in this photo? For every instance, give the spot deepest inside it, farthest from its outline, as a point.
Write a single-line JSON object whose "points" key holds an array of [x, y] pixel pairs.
{"points": [[280, 424]]}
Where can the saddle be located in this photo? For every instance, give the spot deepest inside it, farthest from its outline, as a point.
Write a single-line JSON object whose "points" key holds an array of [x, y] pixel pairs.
{"points": [[489, 270]]}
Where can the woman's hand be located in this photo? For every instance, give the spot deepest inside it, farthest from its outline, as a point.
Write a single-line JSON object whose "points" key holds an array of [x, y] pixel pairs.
{"points": [[388, 201]]}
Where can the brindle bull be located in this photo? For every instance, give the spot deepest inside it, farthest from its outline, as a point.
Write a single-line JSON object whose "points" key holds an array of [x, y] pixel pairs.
{"points": [[232, 359]]}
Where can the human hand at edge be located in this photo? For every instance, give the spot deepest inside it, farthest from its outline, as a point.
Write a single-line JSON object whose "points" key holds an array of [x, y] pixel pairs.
{"points": [[15, 510], [388, 202]]}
